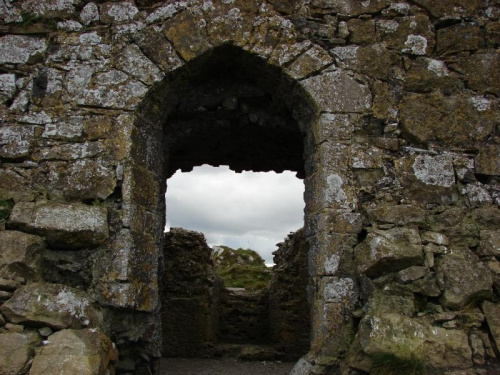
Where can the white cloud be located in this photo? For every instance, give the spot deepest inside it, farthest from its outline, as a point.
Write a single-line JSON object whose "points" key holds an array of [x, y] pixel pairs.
{"points": [[248, 210]]}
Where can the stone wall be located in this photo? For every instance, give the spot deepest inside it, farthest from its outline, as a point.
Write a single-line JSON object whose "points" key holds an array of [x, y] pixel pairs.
{"points": [[191, 296], [397, 107], [289, 315]]}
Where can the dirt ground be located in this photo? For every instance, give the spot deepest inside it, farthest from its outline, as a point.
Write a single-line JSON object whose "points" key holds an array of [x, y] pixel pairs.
{"points": [[195, 366]]}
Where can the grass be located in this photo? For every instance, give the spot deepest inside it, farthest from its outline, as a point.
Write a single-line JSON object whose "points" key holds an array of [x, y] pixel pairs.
{"points": [[242, 268], [390, 364]]}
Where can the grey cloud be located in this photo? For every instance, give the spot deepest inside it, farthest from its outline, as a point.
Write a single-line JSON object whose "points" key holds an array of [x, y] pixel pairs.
{"points": [[254, 210]]}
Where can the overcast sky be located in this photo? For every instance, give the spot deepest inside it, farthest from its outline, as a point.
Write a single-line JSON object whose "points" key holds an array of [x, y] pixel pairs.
{"points": [[248, 210]]}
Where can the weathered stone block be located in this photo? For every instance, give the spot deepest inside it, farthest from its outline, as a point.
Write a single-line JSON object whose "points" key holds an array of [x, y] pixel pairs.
{"points": [[427, 178], [18, 49], [71, 225], [69, 351], [481, 71], [450, 8], [452, 119], [313, 60], [490, 243], [54, 305], [16, 351], [488, 160], [15, 141], [397, 214], [410, 35], [457, 38], [492, 312], [20, 255], [389, 251], [465, 278], [118, 12], [403, 337], [426, 75], [16, 187], [338, 92], [86, 179], [188, 44], [351, 7]]}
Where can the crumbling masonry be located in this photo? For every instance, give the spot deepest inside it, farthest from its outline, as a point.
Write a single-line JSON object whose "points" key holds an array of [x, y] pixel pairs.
{"points": [[387, 109]]}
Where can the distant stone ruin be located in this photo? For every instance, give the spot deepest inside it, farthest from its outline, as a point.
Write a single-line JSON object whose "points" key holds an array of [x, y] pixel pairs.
{"points": [[389, 111]]}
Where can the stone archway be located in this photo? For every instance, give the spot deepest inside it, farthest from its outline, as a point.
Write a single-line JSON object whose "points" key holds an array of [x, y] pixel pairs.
{"points": [[299, 77]]}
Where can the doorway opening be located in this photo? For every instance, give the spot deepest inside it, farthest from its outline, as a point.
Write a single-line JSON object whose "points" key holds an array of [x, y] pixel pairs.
{"points": [[226, 107], [239, 306]]}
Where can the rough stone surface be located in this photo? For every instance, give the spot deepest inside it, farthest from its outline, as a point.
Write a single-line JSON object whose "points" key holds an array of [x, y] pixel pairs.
{"points": [[492, 313], [388, 110], [386, 251], [57, 306], [289, 321], [87, 351], [20, 255], [16, 351], [63, 225], [401, 336], [465, 278], [191, 298]]}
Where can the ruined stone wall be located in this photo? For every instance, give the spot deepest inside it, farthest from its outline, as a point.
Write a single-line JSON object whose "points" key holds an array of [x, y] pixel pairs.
{"points": [[191, 296], [289, 317], [397, 103]]}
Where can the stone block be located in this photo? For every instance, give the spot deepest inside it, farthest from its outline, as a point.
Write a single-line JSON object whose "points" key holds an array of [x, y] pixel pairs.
{"points": [[313, 60], [454, 119], [20, 255], [16, 351], [19, 49], [465, 277], [64, 225], [427, 178], [490, 243], [403, 337], [54, 305], [16, 141], [69, 351], [487, 162], [118, 12], [338, 92], [389, 251], [427, 75], [492, 313], [351, 7], [186, 35], [458, 38], [450, 8], [84, 179], [16, 187], [404, 214], [481, 71]]}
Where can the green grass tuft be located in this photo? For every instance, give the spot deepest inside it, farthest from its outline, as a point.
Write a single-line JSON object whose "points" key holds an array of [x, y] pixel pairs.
{"points": [[389, 364]]}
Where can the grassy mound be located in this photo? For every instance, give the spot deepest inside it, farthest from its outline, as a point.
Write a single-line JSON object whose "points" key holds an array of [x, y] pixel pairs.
{"points": [[241, 268]]}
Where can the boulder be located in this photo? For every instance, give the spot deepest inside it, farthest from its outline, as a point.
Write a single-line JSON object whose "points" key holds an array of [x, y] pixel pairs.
{"points": [[86, 352], [389, 251], [64, 225], [16, 351], [54, 305], [465, 278], [20, 255]]}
